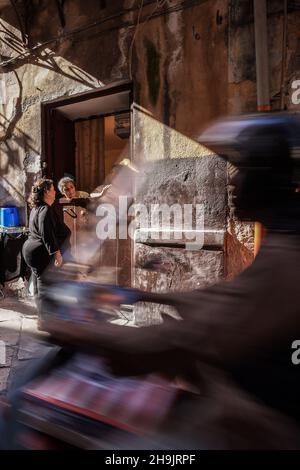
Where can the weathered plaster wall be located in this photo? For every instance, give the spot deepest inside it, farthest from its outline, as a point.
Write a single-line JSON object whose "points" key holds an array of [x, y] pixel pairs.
{"points": [[182, 66]]}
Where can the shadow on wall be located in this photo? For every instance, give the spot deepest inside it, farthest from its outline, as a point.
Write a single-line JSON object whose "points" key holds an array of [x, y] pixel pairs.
{"points": [[12, 142], [17, 153], [41, 56]]}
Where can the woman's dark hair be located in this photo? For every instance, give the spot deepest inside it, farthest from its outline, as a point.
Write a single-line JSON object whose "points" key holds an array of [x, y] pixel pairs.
{"points": [[38, 190]]}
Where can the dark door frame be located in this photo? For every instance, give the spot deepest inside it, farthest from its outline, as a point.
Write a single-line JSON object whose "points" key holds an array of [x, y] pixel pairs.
{"points": [[47, 108]]}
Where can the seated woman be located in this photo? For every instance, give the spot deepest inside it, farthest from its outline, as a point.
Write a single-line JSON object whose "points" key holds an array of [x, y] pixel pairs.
{"points": [[67, 188], [47, 235]]}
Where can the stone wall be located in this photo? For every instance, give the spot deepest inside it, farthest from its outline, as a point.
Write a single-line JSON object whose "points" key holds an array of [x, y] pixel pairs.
{"points": [[190, 61]]}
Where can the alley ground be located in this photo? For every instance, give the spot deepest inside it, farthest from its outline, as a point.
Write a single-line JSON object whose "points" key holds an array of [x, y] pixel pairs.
{"points": [[20, 341]]}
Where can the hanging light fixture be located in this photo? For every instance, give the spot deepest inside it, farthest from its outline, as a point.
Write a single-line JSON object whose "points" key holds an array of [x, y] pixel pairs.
{"points": [[122, 125]]}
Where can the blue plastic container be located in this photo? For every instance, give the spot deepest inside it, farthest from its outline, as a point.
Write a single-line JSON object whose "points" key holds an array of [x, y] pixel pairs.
{"points": [[9, 217]]}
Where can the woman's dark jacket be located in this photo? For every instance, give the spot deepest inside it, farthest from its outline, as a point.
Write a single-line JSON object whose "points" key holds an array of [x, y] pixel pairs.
{"points": [[47, 235]]}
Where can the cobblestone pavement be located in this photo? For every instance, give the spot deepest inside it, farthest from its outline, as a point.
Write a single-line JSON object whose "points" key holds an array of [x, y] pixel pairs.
{"points": [[20, 341]]}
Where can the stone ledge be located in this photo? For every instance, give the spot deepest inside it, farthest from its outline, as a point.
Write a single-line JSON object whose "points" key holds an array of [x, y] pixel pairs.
{"points": [[214, 239]]}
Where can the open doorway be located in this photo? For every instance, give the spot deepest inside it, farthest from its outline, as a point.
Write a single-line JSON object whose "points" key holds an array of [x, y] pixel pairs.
{"points": [[84, 136], [86, 131], [99, 144]]}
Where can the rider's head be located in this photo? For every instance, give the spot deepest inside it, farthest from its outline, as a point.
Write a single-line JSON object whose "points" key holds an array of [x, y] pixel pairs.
{"points": [[264, 178]]}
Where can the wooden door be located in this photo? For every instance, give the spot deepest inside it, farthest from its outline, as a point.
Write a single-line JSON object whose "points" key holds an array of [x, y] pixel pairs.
{"points": [[63, 146]]}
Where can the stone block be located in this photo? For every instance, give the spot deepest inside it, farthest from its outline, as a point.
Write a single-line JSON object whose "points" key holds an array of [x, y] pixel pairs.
{"points": [[174, 269]]}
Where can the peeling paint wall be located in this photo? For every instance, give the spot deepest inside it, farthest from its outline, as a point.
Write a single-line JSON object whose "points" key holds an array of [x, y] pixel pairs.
{"points": [[190, 62]]}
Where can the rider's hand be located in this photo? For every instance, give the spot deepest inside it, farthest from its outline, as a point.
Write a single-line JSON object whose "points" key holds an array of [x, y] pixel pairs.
{"points": [[58, 259]]}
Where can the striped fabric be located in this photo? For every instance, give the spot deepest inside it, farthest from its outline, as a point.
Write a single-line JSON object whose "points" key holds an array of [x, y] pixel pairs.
{"points": [[84, 387]]}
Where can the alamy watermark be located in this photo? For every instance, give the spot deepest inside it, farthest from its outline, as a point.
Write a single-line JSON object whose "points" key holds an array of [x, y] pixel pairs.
{"points": [[295, 358], [179, 223], [295, 98]]}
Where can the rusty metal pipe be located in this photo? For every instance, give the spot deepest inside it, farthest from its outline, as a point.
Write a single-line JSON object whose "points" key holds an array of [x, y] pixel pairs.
{"points": [[261, 51]]}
